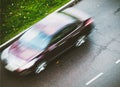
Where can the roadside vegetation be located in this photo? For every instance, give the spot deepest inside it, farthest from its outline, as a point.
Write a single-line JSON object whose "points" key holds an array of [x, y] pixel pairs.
{"points": [[18, 15]]}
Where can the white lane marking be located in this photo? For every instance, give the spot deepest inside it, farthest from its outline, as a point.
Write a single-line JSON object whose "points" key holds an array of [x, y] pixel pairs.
{"points": [[118, 61], [96, 77]]}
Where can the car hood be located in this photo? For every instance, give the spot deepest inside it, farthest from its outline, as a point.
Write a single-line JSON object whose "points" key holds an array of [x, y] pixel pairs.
{"points": [[23, 52]]}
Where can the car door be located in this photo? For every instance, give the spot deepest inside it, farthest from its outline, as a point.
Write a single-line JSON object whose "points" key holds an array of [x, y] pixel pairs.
{"points": [[61, 42]]}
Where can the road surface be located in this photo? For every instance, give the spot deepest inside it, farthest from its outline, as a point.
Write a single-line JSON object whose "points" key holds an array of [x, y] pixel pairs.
{"points": [[95, 64]]}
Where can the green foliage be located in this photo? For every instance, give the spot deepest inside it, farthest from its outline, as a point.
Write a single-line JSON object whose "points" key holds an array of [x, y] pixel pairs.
{"points": [[17, 15]]}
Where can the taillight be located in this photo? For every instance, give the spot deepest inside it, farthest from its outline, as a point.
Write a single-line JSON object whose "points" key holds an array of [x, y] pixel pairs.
{"points": [[88, 22]]}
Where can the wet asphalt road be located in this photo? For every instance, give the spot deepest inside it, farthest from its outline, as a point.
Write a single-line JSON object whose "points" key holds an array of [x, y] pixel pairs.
{"points": [[95, 64]]}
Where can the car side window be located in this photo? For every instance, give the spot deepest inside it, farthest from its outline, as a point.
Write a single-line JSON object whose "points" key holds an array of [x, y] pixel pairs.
{"points": [[66, 30]]}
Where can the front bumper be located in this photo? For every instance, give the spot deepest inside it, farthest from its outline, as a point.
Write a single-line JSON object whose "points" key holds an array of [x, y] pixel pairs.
{"points": [[10, 61]]}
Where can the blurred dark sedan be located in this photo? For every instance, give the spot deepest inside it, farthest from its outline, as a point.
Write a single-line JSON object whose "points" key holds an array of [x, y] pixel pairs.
{"points": [[46, 40]]}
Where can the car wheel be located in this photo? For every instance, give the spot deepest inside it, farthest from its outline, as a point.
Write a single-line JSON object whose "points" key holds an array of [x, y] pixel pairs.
{"points": [[80, 40], [40, 67]]}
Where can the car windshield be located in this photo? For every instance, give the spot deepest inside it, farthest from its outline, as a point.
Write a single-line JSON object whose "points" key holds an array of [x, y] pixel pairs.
{"points": [[35, 39]]}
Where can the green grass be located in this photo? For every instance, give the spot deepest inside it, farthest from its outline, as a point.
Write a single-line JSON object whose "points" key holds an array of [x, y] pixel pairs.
{"points": [[18, 15]]}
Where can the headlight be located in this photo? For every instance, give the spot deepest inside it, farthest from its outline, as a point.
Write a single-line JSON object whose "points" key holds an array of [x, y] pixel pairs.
{"points": [[5, 54], [14, 63], [28, 65]]}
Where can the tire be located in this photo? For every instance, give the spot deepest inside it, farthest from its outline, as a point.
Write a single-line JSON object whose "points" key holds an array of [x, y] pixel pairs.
{"points": [[40, 67], [80, 40]]}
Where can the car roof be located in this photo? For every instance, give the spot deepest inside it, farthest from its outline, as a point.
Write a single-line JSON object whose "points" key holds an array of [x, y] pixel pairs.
{"points": [[54, 22]]}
